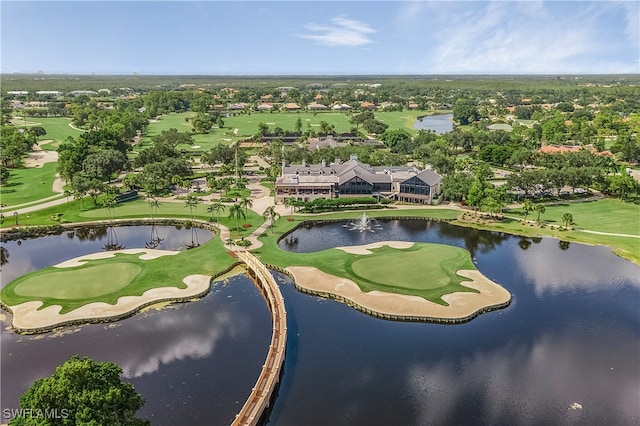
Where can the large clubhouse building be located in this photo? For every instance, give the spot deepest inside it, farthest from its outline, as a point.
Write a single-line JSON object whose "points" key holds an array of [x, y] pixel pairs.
{"points": [[306, 182]]}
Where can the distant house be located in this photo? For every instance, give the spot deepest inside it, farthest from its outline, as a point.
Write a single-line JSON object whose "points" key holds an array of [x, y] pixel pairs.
{"points": [[89, 93], [316, 107], [356, 179], [413, 105], [238, 106], [326, 142], [48, 93], [291, 106], [367, 105], [558, 149], [17, 93], [265, 106], [341, 107]]}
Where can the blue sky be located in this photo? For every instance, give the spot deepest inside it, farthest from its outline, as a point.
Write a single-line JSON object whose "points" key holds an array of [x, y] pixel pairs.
{"points": [[320, 37]]}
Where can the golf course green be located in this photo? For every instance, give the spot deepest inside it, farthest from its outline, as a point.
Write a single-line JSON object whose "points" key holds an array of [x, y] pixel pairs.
{"points": [[90, 281]]}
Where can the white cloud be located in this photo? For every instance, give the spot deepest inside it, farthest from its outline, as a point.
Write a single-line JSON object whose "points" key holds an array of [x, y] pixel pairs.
{"points": [[527, 37], [340, 32]]}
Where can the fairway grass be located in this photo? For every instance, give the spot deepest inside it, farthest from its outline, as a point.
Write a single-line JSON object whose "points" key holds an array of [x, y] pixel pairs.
{"points": [[604, 215], [247, 125], [112, 275], [28, 184]]}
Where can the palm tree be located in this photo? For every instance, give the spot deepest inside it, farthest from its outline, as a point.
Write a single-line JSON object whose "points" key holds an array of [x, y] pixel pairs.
{"points": [[192, 202], [154, 205], [247, 203], [271, 215], [109, 202], [290, 202], [225, 184], [67, 194], [527, 207], [216, 206], [540, 209], [237, 212], [567, 219]]}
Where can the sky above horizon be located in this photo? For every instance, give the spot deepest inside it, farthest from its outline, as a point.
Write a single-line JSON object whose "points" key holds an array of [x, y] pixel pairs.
{"points": [[320, 37]]}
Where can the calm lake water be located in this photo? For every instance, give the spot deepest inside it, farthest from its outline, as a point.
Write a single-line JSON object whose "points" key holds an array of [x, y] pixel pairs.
{"points": [[194, 363], [566, 351], [440, 123], [570, 336]]}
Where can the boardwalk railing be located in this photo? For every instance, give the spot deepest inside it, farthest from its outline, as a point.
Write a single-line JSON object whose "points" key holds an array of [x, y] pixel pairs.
{"points": [[261, 394]]}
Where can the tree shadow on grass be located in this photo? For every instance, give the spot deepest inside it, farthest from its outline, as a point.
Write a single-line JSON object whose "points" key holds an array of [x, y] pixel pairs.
{"points": [[9, 185]]}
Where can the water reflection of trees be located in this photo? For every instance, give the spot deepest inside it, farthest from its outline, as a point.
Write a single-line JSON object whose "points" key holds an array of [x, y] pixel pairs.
{"points": [[525, 242], [91, 233], [475, 240], [155, 239], [112, 240], [4, 255]]}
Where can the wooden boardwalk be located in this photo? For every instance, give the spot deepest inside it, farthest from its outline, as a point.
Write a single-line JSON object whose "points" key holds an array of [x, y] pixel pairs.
{"points": [[261, 394]]}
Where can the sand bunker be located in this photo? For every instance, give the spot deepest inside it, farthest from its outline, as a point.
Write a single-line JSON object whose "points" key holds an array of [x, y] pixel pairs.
{"points": [[27, 317], [146, 254], [38, 157], [366, 249], [461, 305]]}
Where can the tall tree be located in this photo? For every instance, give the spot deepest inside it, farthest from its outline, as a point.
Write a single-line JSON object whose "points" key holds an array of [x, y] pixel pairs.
{"points": [[247, 203], [192, 203], [290, 202], [540, 208], [216, 206], [271, 215], [83, 391], [567, 219], [527, 207], [237, 212]]}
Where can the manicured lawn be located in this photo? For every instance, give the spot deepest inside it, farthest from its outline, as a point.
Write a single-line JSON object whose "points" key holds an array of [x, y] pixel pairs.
{"points": [[425, 270], [89, 282], [78, 286], [247, 125], [74, 212], [419, 277], [403, 119], [57, 128], [140, 208], [28, 184], [428, 270], [605, 215], [177, 121]]}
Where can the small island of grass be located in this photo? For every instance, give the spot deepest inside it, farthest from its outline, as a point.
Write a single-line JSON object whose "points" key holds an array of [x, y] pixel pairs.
{"points": [[108, 286], [399, 280]]}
